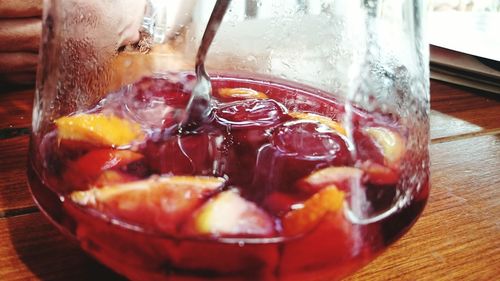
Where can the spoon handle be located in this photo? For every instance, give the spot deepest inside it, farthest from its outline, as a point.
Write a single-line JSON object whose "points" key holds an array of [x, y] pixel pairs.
{"points": [[212, 27]]}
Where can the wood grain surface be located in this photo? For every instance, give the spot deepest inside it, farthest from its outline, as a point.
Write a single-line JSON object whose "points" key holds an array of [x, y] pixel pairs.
{"points": [[32, 249], [15, 108], [456, 111], [457, 237], [14, 196]]}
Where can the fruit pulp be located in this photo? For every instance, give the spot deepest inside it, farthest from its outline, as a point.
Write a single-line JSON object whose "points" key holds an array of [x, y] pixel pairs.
{"points": [[258, 192]]}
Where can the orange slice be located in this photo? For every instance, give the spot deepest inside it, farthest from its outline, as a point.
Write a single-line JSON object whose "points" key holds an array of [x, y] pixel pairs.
{"points": [[241, 93], [334, 125], [159, 203], [312, 211], [98, 129]]}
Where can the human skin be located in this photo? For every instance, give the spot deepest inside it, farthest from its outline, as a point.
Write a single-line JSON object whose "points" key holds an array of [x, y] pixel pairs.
{"points": [[115, 23]]}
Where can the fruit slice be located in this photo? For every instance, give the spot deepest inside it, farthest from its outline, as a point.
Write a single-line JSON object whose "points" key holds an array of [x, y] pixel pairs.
{"points": [[390, 143], [241, 93], [379, 174], [228, 214], [90, 166], [334, 125], [157, 203], [341, 177], [314, 209], [98, 129], [328, 249], [112, 177]]}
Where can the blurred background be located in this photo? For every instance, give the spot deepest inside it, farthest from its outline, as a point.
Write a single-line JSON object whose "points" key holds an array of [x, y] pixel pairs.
{"points": [[465, 5], [465, 42]]}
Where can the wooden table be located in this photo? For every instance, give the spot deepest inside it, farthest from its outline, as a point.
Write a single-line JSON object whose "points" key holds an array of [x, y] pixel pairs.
{"points": [[457, 237]]}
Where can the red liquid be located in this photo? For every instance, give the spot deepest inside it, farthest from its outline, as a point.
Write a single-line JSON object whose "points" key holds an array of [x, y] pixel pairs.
{"points": [[264, 153]]}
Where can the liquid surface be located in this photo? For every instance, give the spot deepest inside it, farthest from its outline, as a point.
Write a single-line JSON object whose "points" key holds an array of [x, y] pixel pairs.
{"points": [[259, 191]]}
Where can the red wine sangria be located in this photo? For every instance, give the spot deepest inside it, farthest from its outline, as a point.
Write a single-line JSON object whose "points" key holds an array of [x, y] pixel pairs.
{"points": [[311, 162], [264, 190]]}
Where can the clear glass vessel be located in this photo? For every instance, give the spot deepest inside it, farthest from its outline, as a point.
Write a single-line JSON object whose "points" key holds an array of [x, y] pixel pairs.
{"points": [[314, 160]]}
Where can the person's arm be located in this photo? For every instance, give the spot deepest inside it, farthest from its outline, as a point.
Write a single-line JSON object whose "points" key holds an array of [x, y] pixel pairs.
{"points": [[20, 30]]}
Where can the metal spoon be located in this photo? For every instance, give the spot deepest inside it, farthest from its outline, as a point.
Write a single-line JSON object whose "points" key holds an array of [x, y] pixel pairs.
{"points": [[199, 107]]}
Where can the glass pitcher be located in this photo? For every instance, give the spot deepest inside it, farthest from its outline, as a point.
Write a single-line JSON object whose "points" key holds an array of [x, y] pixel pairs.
{"points": [[313, 161]]}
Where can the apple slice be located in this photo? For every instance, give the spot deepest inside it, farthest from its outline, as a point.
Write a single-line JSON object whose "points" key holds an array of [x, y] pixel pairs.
{"points": [[229, 214], [98, 129], [379, 174], [241, 93], [113, 177], [157, 203], [302, 220], [334, 125], [389, 142], [90, 166], [342, 177]]}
